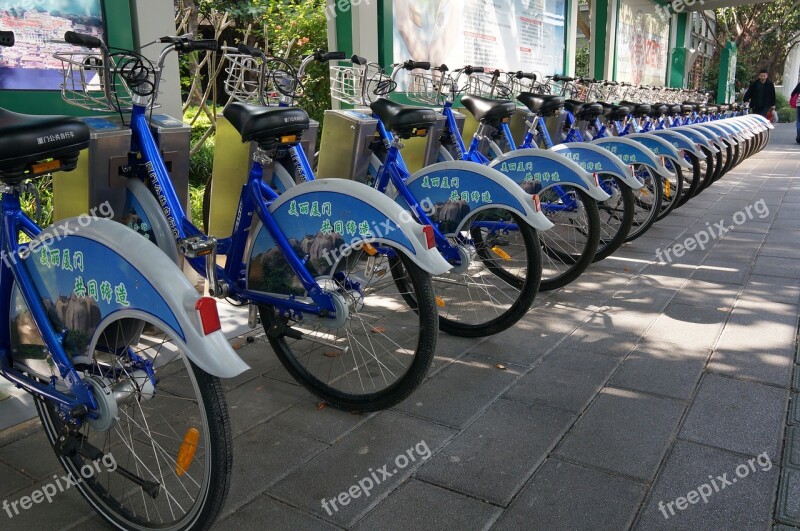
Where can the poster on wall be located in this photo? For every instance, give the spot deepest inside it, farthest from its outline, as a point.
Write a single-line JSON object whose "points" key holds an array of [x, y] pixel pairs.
{"points": [[509, 35], [39, 27], [642, 43]]}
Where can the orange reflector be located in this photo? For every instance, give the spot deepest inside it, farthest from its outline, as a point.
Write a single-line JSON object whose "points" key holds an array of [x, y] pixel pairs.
{"points": [[187, 451], [288, 138], [44, 167], [430, 238], [667, 188], [421, 132], [439, 302], [207, 309], [369, 249], [501, 253], [537, 203]]}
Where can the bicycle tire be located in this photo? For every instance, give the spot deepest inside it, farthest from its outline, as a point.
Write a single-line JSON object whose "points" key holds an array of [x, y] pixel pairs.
{"points": [[564, 262], [647, 200], [672, 190], [215, 443], [616, 216], [294, 354]]}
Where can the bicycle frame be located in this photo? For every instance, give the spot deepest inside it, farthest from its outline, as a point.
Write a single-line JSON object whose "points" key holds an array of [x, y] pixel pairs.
{"points": [[15, 273], [255, 199]]}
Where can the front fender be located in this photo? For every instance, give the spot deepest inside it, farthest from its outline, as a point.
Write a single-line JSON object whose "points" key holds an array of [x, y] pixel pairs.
{"points": [[596, 159], [714, 137], [766, 123], [315, 215], [545, 168], [461, 187], [679, 141], [723, 133], [661, 148], [632, 152], [103, 271]]}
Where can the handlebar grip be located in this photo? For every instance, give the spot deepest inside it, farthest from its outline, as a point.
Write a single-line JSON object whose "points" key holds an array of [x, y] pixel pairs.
{"points": [[424, 65], [203, 44], [358, 60], [442, 68], [79, 39], [250, 50], [526, 75], [335, 56], [478, 70], [7, 38]]}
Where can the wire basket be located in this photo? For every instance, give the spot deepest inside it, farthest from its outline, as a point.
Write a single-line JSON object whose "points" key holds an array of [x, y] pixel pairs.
{"points": [[430, 89], [244, 81], [488, 86], [517, 86], [93, 81], [360, 84]]}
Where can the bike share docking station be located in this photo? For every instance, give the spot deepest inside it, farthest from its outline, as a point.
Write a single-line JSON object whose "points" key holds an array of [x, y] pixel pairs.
{"points": [[232, 159], [97, 178], [347, 135]]}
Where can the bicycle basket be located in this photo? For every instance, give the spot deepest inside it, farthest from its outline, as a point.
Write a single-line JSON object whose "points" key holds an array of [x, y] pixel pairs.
{"points": [[487, 86], [91, 84], [430, 89], [359, 84], [243, 78]]}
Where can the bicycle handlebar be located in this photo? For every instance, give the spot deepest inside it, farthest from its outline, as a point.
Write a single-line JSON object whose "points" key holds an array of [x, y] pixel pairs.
{"points": [[358, 60], [7, 38], [524, 75], [80, 39], [413, 65], [323, 57], [250, 50]]}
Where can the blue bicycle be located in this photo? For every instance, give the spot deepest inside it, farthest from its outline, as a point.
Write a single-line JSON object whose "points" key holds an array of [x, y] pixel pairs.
{"points": [[118, 350], [338, 272]]}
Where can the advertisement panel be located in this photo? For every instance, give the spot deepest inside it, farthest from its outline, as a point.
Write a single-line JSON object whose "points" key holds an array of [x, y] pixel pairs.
{"points": [[642, 43]]}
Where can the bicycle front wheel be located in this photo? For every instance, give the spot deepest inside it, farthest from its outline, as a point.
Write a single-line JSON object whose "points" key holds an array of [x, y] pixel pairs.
{"points": [[159, 455], [377, 355], [616, 216], [647, 200]]}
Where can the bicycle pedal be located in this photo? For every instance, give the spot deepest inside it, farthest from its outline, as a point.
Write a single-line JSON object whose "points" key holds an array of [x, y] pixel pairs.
{"points": [[197, 246]]}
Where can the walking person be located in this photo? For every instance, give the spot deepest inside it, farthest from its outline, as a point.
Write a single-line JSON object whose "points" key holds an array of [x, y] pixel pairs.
{"points": [[761, 94], [793, 105]]}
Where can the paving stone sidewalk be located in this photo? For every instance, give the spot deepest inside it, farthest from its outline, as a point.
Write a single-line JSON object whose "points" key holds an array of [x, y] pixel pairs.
{"points": [[608, 406]]}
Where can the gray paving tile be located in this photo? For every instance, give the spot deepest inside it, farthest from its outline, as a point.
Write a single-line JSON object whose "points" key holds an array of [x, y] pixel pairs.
{"points": [[528, 340], [772, 289], [13, 481], [32, 455], [601, 337], [271, 453], [434, 508], [696, 327], [776, 329], [776, 267], [323, 424], [788, 506], [567, 496], [280, 517], [761, 365], [458, 393], [666, 376], [567, 379], [261, 399], [739, 416], [708, 294], [744, 504], [725, 271], [377, 444], [66, 507], [623, 431], [496, 454]]}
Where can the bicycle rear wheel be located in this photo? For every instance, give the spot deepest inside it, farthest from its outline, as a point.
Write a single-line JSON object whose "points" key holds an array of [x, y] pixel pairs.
{"points": [[647, 200], [497, 279], [616, 216], [569, 247], [380, 353], [672, 189], [159, 456]]}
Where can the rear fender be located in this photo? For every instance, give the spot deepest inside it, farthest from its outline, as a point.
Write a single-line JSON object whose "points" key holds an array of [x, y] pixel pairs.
{"points": [[660, 147], [596, 159], [538, 169], [632, 152], [458, 188], [698, 138], [679, 141], [320, 216], [100, 272]]}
